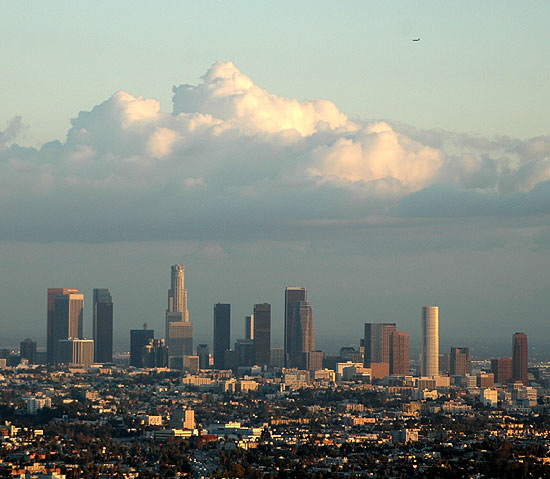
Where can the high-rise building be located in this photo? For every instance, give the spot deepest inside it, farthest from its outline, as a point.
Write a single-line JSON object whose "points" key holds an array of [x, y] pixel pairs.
{"points": [[179, 330], [51, 339], [302, 340], [429, 361], [460, 363], [76, 351], [222, 333], [399, 353], [67, 320], [155, 354], [28, 350], [377, 343], [502, 369], [520, 358], [249, 327], [204, 356], [139, 338], [262, 334], [293, 294], [103, 325]]}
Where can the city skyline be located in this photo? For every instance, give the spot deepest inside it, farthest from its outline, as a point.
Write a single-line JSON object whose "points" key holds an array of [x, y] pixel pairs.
{"points": [[284, 147]]}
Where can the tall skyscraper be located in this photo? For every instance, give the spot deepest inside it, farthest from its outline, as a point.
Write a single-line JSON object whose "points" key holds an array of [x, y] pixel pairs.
{"points": [[67, 320], [51, 340], [460, 363], [502, 369], [204, 356], [139, 338], [377, 343], [262, 334], [28, 350], [429, 362], [399, 353], [179, 330], [302, 340], [520, 358], [249, 327], [222, 333], [103, 325], [293, 294]]}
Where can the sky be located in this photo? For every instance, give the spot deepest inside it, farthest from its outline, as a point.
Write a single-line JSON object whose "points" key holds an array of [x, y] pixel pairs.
{"points": [[272, 144]]}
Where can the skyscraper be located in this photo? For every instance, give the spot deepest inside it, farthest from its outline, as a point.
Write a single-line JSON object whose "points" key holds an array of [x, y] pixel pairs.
{"points": [[222, 333], [51, 340], [76, 351], [28, 350], [429, 361], [249, 327], [262, 334], [67, 319], [399, 353], [502, 369], [377, 343], [103, 325], [179, 330], [139, 338], [302, 340], [293, 294], [460, 363], [520, 358]]}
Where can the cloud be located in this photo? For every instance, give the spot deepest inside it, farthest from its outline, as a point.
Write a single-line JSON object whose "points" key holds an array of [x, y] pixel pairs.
{"points": [[234, 160]]}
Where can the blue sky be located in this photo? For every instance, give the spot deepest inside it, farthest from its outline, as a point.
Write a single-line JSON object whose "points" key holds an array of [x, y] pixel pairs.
{"points": [[270, 144]]}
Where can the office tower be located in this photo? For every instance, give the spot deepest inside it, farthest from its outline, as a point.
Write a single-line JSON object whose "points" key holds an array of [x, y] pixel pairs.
{"points": [[377, 343], [277, 357], [502, 369], [191, 364], [139, 338], [245, 351], [313, 360], [155, 354], [293, 294], [460, 363], [67, 319], [76, 351], [51, 339], [222, 333], [262, 334], [302, 340], [429, 363], [520, 357], [249, 327], [179, 330], [399, 353], [103, 325], [28, 350], [204, 356]]}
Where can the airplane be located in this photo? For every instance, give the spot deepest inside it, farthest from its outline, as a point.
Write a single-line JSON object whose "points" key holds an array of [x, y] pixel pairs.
{"points": [[416, 39]]}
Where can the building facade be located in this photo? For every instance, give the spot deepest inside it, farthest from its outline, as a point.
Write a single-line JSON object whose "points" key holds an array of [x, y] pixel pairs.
{"points": [[67, 320], [103, 325], [262, 334], [429, 360], [460, 362], [139, 338], [179, 330], [222, 333], [399, 353], [520, 358], [293, 294], [51, 339], [377, 343]]}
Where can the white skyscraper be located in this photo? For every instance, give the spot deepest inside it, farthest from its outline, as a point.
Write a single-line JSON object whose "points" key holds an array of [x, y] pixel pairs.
{"points": [[179, 330], [429, 361]]}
